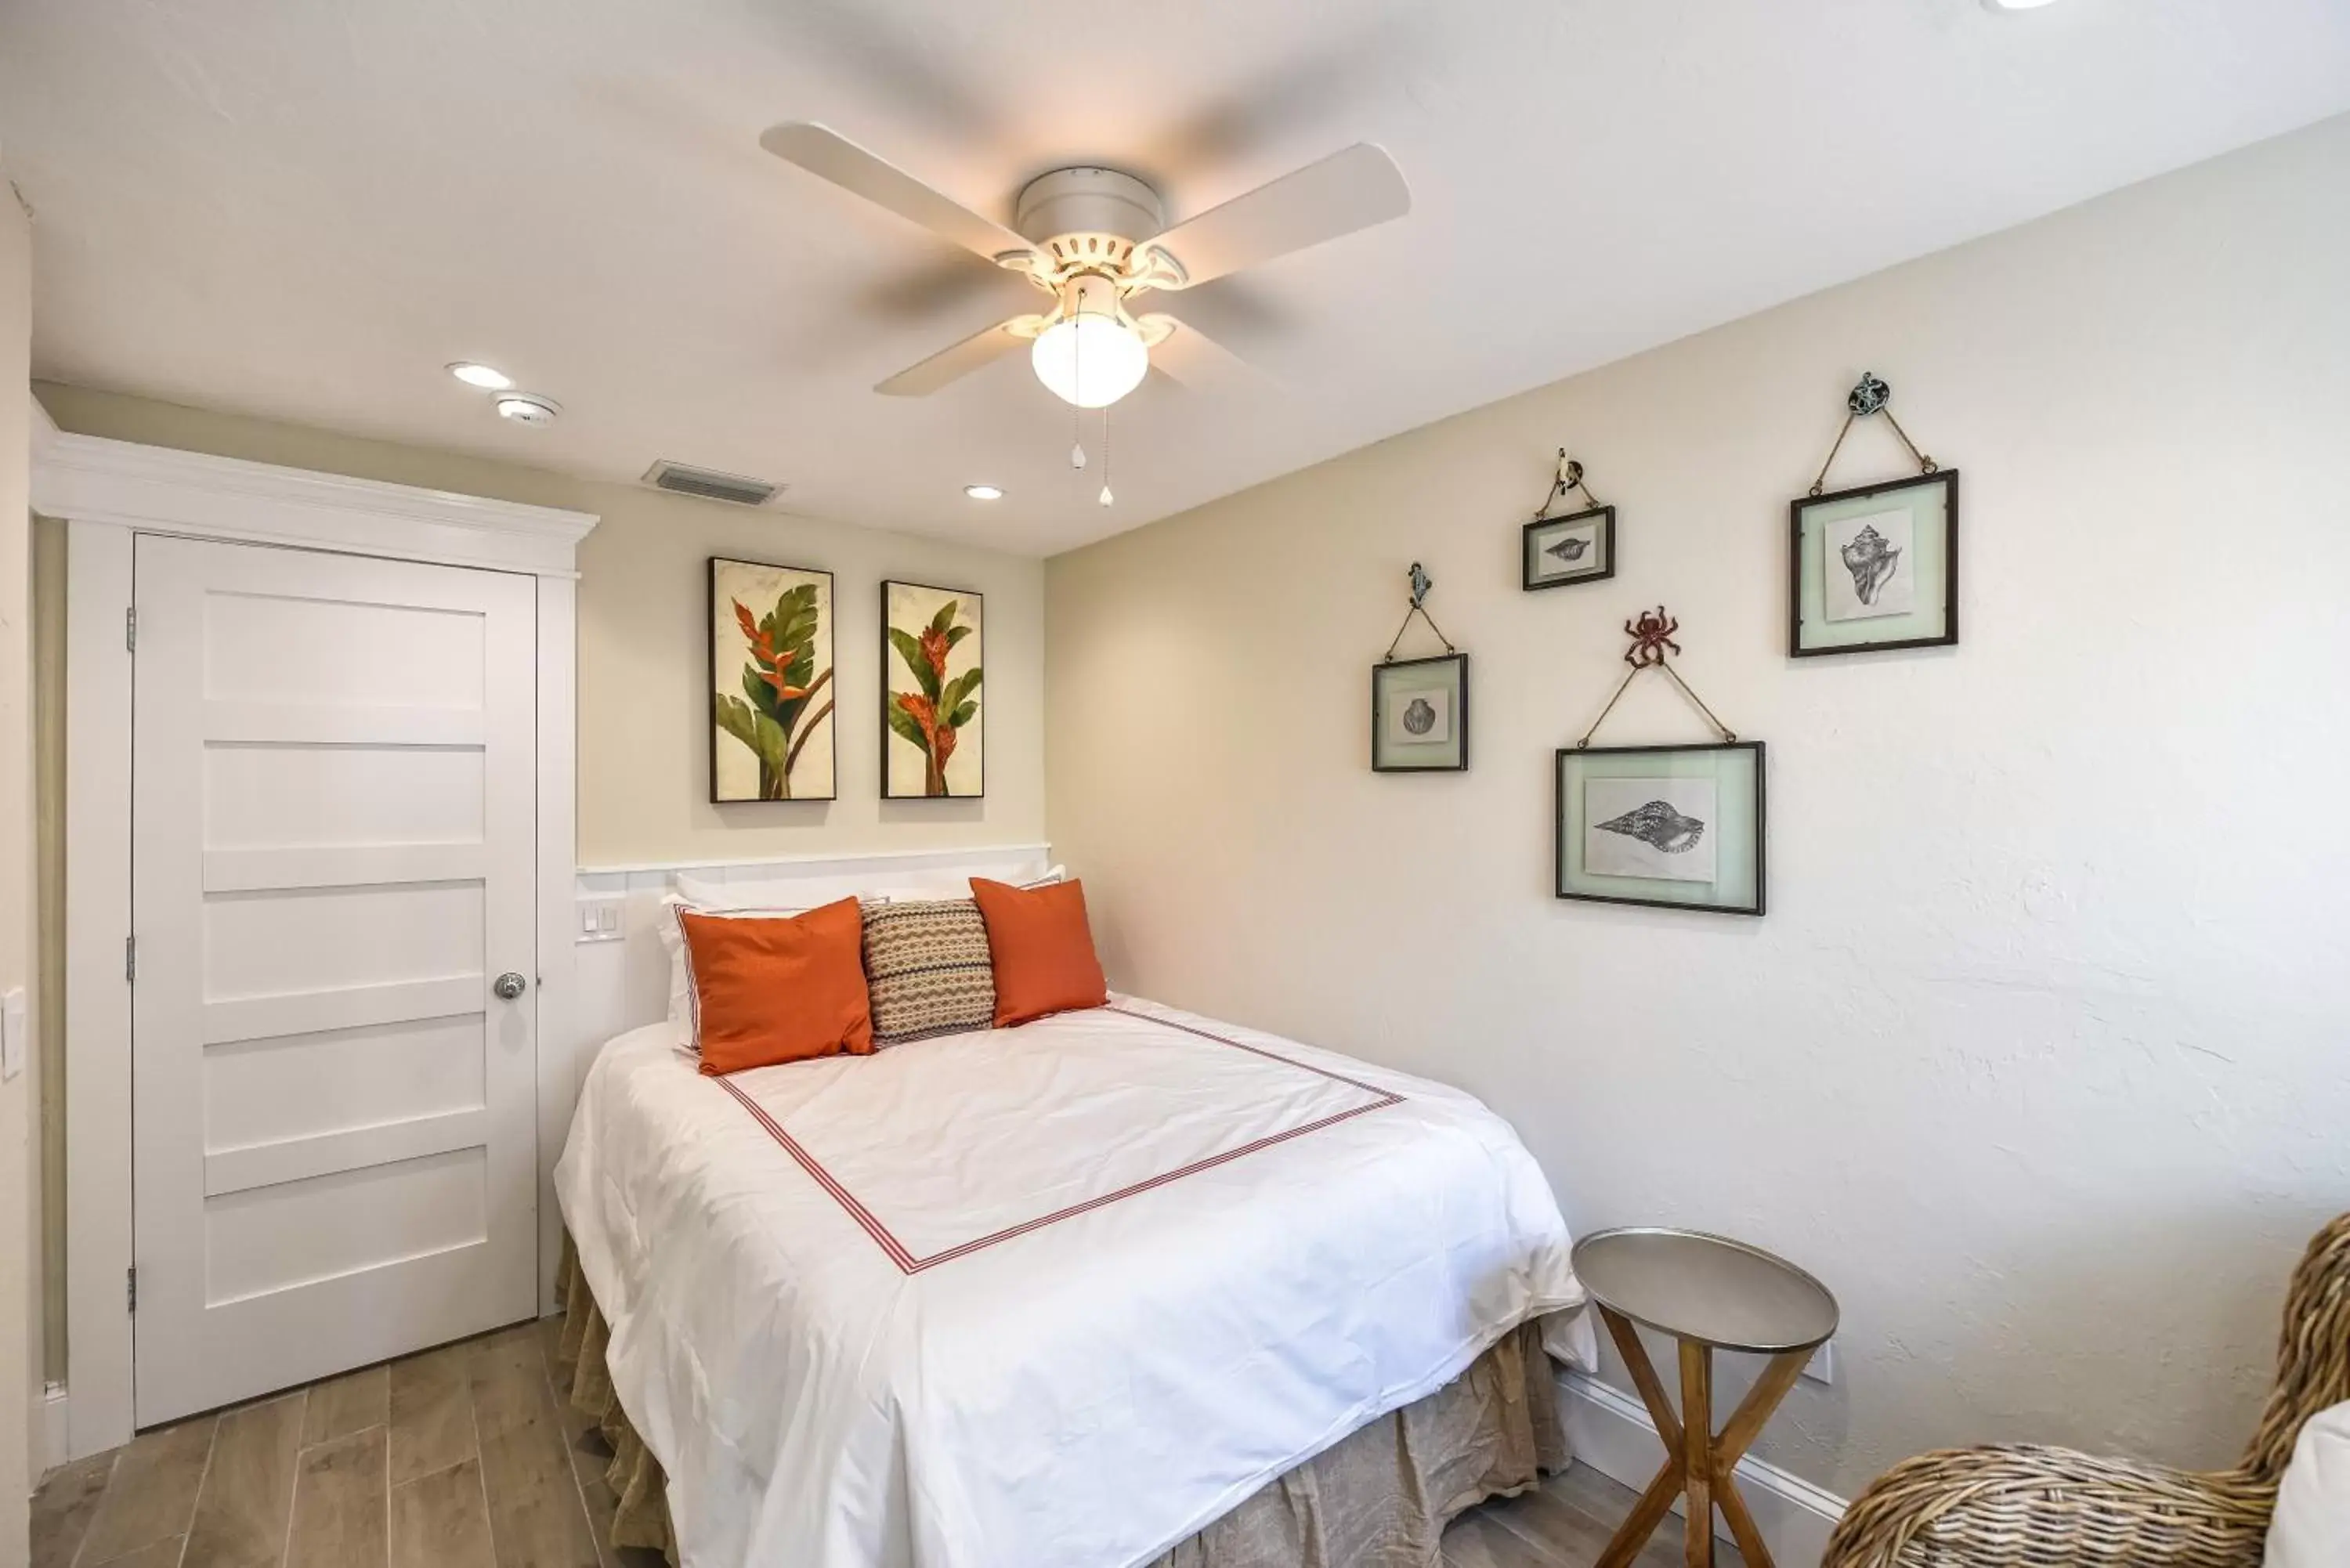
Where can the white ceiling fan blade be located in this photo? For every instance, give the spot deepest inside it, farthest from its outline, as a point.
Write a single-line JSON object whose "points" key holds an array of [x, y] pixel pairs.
{"points": [[1344, 192], [952, 364], [1192, 358], [829, 155]]}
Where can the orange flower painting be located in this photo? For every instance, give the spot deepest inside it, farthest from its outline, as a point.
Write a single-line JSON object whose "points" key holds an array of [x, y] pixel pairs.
{"points": [[930, 701], [771, 663]]}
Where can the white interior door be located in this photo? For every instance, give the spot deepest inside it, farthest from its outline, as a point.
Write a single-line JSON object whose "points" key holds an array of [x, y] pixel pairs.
{"points": [[332, 858]]}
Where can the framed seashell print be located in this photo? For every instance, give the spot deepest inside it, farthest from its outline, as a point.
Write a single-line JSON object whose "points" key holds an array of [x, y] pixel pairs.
{"points": [[1875, 567], [1419, 715], [1670, 827], [1556, 551], [1579, 547]]}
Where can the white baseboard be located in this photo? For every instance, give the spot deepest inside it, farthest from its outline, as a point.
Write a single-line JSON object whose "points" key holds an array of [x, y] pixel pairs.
{"points": [[57, 1446], [1610, 1431]]}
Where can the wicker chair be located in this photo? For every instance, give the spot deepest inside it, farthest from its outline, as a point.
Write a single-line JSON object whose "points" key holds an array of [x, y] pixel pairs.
{"points": [[2030, 1507]]}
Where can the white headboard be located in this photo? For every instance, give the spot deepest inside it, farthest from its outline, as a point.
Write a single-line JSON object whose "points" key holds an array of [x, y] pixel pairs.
{"points": [[622, 970]]}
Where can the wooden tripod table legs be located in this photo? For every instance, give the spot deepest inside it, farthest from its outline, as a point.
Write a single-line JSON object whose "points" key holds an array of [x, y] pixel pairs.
{"points": [[1697, 1460]]}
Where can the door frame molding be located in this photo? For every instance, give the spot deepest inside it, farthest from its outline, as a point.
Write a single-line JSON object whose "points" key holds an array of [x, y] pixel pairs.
{"points": [[107, 492]]}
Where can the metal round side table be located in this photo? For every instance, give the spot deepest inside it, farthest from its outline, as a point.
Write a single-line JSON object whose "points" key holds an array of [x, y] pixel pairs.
{"points": [[1710, 1293]]}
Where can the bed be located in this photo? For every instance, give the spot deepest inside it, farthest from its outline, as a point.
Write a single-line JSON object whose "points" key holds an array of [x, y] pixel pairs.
{"points": [[1059, 1297]]}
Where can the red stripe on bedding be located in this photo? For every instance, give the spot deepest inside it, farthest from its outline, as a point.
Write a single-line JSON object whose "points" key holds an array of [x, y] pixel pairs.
{"points": [[908, 1263], [1255, 1051], [823, 1179]]}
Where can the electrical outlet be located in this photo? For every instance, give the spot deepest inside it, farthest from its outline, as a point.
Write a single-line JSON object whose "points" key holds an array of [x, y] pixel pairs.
{"points": [[599, 917], [1821, 1367]]}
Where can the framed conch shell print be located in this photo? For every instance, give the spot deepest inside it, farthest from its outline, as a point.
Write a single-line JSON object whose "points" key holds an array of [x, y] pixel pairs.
{"points": [[1875, 567]]}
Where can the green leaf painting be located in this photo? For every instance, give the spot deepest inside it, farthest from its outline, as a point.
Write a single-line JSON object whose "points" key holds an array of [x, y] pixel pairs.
{"points": [[770, 630], [931, 743]]}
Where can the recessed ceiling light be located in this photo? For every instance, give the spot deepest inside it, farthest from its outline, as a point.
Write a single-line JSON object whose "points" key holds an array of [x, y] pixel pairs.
{"points": [[2015, 4], [487, 377], [984, 491], [529, 408]]}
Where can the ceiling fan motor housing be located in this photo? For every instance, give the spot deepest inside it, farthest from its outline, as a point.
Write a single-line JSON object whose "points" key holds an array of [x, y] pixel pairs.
{"points": [[1089, 217]]}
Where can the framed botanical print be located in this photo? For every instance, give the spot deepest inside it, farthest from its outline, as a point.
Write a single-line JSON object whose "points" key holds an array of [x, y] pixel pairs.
{"points": [[933, 738], [1419, 715], [1875, 567], [1579, 547], [1672, 826], [770, 676]]}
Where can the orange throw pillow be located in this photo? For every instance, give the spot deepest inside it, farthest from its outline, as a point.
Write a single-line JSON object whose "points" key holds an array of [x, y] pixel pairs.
{"points": [[1042, 950], [785, 990]]}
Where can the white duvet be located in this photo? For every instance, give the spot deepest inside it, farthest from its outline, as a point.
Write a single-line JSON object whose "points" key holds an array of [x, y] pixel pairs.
{"points": [[1050, 1297]]}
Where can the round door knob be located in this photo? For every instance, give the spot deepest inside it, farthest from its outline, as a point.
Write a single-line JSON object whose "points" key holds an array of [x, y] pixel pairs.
{"points": [[509, 985]]}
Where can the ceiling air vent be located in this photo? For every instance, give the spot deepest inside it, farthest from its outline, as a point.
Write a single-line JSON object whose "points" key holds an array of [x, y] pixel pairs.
{"points": [[710, 485]]}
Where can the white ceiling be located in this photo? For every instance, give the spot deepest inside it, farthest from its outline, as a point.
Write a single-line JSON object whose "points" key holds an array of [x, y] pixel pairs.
{"points": [[304, 209]]}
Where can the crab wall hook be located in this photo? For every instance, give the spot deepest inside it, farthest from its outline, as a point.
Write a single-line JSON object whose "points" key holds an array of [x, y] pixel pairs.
{"points": [[1651, 634]]}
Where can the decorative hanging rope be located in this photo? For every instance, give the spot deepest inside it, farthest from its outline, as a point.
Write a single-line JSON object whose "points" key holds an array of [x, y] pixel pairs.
{"points": [[1569, 477], [1420, 583], [1869, 395], [1652, 634]]}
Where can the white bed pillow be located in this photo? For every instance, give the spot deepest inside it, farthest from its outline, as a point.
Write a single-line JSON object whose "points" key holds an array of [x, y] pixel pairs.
{"points": [[959, 887], [2311, 1527], [802, 892], [781, 893]]}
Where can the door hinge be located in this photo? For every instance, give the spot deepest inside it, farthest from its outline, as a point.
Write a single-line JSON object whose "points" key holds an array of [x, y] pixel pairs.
{"points": [[130, 960], [130, 1287], [130, 629]]}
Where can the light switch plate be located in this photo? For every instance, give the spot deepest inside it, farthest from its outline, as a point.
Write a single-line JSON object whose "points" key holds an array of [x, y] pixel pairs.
{"points": [[598, 918], [12, 1034]]}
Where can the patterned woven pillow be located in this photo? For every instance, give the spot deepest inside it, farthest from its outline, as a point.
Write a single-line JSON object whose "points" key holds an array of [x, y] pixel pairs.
{"points": [[927, 968]]}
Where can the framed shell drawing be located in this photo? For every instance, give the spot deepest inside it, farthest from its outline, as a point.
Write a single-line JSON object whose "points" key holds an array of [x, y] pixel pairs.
{"points": [[769, 678], [1556, 550], [1577, 548], [1876, 566], [1672, 826], [1419, 715]]}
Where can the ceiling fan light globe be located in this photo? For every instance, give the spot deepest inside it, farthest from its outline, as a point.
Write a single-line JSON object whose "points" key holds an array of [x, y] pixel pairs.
{"points": [[1089, 360]]}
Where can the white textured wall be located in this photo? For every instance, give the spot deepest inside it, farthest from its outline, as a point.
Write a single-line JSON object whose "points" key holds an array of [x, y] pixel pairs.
{"points": [[19, 1274], [2041, 1057], [644, 657]]}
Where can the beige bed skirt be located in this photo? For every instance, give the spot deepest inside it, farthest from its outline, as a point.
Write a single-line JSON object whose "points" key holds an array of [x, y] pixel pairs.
{"points": [[1379, 1499]]}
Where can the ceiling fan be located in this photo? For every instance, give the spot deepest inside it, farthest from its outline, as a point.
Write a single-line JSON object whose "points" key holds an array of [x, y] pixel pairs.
{"points": [[1094, 239]]}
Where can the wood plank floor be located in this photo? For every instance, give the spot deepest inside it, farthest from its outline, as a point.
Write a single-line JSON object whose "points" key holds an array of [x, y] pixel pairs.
{"points": [[462, 1456], [465, 1457]]}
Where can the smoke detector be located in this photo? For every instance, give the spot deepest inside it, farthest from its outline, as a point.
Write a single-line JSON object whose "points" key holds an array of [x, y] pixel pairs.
{"points": [[709, 484], [527, 408]]}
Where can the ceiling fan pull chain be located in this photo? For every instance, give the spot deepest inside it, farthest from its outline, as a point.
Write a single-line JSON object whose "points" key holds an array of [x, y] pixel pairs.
{"points": [[1105, 496]]}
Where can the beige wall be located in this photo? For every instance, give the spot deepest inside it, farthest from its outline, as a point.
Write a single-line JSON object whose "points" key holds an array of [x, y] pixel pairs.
{"points": [[19, 1197], [644, 656], [2038, 1058]]}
